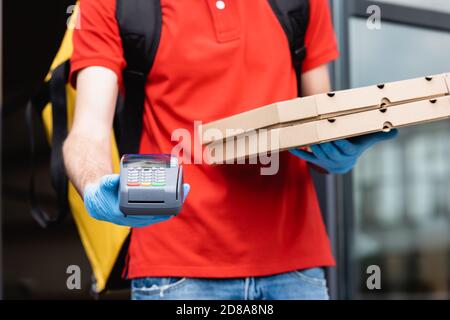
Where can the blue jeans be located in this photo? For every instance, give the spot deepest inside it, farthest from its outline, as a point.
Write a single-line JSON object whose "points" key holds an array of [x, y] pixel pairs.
{"points": [[307, 284]]}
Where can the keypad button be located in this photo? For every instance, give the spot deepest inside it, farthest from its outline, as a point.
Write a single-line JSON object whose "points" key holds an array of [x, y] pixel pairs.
{"points": [[146, 184], [133, 184]]}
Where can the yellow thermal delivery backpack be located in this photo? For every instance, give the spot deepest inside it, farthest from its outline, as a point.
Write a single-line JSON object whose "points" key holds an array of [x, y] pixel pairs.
{"points": [[55, 101], [102, 241]]}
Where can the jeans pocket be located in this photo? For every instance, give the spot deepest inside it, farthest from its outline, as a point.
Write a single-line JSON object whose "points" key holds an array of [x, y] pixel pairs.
{"points": [[315, 276], [155, 285]]}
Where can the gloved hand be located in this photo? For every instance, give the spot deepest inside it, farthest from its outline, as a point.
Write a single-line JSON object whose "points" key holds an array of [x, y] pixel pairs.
{"points": [[340, 156], [102, 202]]}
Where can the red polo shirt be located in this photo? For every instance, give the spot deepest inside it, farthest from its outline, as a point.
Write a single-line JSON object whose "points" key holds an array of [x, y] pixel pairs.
{"points": [[212, 63]]}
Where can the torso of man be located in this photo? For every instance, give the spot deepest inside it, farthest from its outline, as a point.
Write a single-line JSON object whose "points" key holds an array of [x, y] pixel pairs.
{"points": [[215, 61]]}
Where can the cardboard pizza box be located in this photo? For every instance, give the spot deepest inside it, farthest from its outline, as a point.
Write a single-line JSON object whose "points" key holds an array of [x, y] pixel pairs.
{"points": [[331, 104], [326, 117]]}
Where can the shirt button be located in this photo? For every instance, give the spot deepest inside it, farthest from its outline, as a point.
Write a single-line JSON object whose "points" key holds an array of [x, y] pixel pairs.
{"points": [[220, 5]]}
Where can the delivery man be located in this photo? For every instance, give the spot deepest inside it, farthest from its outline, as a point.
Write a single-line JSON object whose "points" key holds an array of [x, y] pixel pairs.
{"points": [[241, 235]]}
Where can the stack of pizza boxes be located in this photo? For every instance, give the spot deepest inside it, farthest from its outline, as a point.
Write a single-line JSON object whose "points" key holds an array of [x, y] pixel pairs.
{"points": [[326, 117]]}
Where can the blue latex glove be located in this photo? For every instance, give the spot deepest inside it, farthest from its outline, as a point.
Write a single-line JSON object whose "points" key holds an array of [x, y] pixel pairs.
{"points": [[340, 156], [102, 202]]}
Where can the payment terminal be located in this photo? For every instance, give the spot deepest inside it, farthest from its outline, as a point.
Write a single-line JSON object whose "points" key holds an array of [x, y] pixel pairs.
{"points": [[150, 185]]}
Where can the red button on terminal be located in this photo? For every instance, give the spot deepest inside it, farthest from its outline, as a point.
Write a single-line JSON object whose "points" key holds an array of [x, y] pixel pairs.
{"points": [[133, 184]]}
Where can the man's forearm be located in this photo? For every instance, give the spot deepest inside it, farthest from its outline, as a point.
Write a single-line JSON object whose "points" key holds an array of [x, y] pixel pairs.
{"points": [[87, 150], [86, 160], [316, 81]]}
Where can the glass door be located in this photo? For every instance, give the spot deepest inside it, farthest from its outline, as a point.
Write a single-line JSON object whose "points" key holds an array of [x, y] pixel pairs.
{"points": [[396, 204]]}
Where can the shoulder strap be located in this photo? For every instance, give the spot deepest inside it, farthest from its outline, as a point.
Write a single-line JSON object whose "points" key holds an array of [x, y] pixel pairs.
{"points": [[140, 24], [55, 92], [293, 16]]}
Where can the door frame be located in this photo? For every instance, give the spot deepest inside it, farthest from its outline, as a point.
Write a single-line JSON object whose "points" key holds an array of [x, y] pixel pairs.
{"points": [[336, 192]]}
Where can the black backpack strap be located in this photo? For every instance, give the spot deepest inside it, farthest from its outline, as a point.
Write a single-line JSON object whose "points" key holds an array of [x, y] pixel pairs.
{"points": [[140, 23], [53, 91], [293, 16]]}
